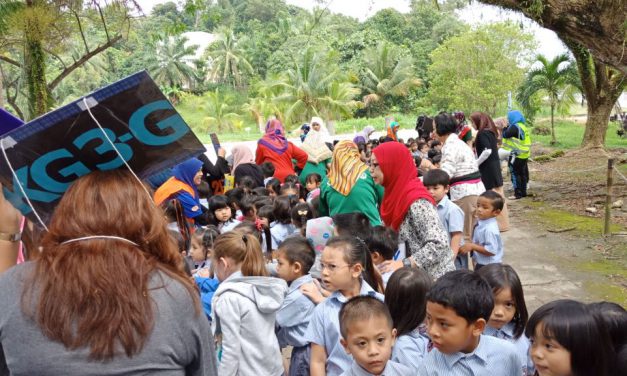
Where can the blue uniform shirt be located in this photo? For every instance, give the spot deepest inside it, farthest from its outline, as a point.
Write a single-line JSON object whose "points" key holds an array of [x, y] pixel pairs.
{"points": [[411, 348], [492, 357], [451, 217], [293, 317], [324, 329], [280, 232], [391, 369], [522, 345], [488, 235]]}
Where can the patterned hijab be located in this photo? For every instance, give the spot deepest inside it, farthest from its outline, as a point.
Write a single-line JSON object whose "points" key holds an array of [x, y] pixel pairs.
{"points": [[346, 167], [274, 138], [392, 129]]}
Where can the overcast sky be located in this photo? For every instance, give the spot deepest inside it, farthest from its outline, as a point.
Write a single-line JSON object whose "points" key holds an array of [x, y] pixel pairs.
{"points": [[548, 43]]}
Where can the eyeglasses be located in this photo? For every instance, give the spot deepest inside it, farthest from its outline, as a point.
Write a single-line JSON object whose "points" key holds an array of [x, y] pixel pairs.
{"points": [[331, 267]]}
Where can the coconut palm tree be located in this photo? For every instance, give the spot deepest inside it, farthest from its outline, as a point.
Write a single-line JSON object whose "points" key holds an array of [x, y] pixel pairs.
{"points": [[387, 74], [171, 66], [556, 80], [223, 116], [228, 63]]}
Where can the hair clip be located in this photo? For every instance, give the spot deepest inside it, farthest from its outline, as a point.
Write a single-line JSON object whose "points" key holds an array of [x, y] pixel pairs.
{"points": [[244, 239], [259, 224], [302, 212]]}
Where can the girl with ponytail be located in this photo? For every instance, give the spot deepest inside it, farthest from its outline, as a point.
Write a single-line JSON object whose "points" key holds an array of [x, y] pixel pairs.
{"points": [[245, 307]]}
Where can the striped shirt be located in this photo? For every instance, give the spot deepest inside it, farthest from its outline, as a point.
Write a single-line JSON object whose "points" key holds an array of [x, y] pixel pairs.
{"points": [[522, 345], [493, 357], [411, 348]]}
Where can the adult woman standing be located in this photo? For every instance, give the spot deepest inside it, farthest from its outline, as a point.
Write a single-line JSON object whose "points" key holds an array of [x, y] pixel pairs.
{"points": [[244, 165], [488, 160], [273, 147], [349, 186], [409, 209], [182, 186], [318, 155], [107, 294], [364, 135], [459, 162]]}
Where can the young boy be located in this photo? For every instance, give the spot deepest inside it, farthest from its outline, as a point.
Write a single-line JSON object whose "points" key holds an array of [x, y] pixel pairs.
{"points": [[451, 216], [487, 246], [383, 244], [368, 335], [458, 307], [267, 168], [295, 258]]}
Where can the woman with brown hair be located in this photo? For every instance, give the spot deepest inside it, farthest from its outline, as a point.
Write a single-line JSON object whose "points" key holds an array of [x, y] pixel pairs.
{"points": [[488, 160], [107, 295]]}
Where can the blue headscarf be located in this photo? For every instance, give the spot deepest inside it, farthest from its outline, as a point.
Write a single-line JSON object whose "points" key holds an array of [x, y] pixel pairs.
{"points": [[514, 117], [186, 171]]}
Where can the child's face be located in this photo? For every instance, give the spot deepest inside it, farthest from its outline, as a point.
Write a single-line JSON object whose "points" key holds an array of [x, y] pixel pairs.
{"points": [[549, 357], [438, 147], [289, 192], [311, 185], [504, 308], [370, 343], [223, 214], [287, 270], [425, 149], [252, 214], [437, 191], [413, 147], [337, 274], [197, 252], [451, 333], [485, 210]]}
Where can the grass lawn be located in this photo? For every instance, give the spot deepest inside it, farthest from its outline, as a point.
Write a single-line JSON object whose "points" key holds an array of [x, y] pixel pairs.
{"points": [[569, 135]]}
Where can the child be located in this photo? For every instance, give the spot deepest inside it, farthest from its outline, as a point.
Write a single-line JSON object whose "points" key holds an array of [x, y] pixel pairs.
{"points": [[566, 340], [487, 246], [248, 207], [274, 187], [245, 306], [406, 298], [353, 224], [423, 149], [282, 226], [451, 216], [221, 213], [312, 183], [458, 306], [200, 250], [383, 244], [267, 169], [295, 258], [300, 214], [291, 190], [368, 335], [266, 214], [318, 232], [347, 271], [509, 316]]}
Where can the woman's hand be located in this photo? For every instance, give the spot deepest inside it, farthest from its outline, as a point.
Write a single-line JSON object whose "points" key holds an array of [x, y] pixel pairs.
{"points": [[390, 266], [313, 291], [10, 217]]}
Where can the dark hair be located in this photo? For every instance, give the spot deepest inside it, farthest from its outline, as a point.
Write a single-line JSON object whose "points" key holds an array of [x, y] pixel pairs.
{"points": [[206, 236], [574, 327], [444, 124], [313, 178], [315, 204], [267, 168], [301, 213], [356, 252], [495, 198], [274, 185], [262, 233], [466, 293], [246, 182], [266, 211], [178, 239], [432, 153], [406, 297], [502, 276], [236, 195], [203, 189], [383, 240], [614, 317], [483, 121], [217, 202], [283, 209], [422, 144], [353, 224], [290, 186], [435, 143], [362, 308], [437, 158], [248, 205], [298, 249], [293, 179], [260, 191], [435, 177]]}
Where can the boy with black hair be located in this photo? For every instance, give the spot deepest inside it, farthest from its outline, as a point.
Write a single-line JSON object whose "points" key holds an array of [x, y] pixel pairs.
{"points": [[368, 335], [459, 305], [383, 245], [267, 169], [451, 216], [486, 246]]}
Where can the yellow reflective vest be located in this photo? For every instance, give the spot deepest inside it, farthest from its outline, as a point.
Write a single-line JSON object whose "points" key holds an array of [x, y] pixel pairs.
{"points": [[522, 148]]}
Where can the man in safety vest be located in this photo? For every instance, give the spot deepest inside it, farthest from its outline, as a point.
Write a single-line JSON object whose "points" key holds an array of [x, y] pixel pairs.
{"points": [[517, 140]]}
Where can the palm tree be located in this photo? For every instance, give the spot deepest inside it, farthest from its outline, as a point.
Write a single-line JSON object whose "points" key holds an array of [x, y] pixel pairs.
{"points": [[387, 74], [557, 80], [222, 109], [171, 66], [227, 61]]}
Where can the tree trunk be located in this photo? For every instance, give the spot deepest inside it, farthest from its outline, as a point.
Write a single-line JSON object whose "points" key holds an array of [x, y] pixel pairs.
{"points": [[597, 122], [1, 90], [39, 99], [553, 139]]}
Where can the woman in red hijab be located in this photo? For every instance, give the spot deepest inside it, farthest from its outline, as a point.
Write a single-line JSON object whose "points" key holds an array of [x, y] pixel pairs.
{"points": [[409, 209], [275, 148]]}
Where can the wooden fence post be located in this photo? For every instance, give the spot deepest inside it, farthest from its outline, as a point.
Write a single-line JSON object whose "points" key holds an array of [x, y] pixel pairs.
{"points": [[608, 197]]}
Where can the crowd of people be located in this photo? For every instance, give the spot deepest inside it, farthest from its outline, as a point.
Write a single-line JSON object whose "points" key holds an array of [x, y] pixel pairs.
{"points": [[362, 257]]}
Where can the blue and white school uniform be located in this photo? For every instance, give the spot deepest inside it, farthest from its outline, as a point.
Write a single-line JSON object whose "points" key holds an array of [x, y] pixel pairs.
{"points": [[488, 235], [452, 220], [280, 232], [492, 357], [391, 369], [324, 329], [411, 348], [228, 225], [522, 345], [292, 320]]}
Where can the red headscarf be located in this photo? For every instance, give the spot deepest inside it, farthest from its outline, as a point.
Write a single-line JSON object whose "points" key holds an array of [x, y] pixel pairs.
{"points": [[402, 186]]}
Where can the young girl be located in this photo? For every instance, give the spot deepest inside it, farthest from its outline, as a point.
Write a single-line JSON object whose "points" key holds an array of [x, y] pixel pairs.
{"points": [[274, 187], [347, 271], [248, 207], [266, 214], [509, 316], [291, 190], [567, 340], [313, 186], [221, 213], [300, 214], [406, 297], [200, 250], [245, 307], [282, 226]]}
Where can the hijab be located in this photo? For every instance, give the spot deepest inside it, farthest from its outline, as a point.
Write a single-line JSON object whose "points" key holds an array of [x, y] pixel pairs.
{"points": [[514, 117], [274, 138], [324, 132], [241, 155], [346, 167], [186, 171], [392, 129], [315, 147], [402, 186], [364, 135]]}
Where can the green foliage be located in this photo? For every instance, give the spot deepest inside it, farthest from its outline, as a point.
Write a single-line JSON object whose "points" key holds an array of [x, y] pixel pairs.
{"points": [[569, 135], [475, 70], [228, 63], [171, 62]]}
